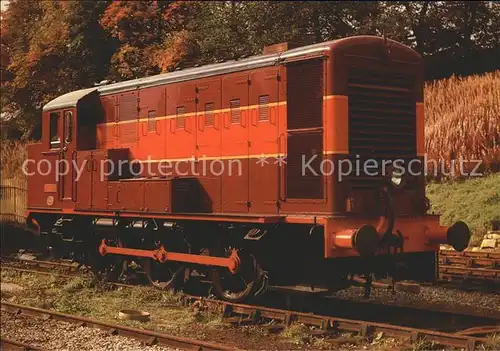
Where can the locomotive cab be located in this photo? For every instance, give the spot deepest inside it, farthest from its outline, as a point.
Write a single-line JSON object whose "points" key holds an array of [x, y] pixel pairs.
{"points": [[68, 127]]}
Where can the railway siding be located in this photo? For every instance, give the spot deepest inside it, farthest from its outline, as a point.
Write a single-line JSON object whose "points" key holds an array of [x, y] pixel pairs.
{"points": [[238, 314]]}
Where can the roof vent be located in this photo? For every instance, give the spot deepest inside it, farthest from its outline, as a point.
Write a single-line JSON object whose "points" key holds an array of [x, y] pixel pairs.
{"points": [[275, 48]]}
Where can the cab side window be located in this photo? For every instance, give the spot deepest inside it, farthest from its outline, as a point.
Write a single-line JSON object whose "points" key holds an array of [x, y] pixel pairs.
{"points": [[55, 138]]}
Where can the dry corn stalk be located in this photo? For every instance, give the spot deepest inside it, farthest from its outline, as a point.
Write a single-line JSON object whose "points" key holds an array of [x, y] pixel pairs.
{"points": [[462, 119]]}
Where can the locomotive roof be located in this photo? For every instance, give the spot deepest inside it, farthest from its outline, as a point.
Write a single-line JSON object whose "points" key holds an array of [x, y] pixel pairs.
{"points": [[72, 98]]}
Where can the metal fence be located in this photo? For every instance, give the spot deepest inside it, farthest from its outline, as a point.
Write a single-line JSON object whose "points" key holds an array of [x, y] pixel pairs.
{"points": [[13, 199]]}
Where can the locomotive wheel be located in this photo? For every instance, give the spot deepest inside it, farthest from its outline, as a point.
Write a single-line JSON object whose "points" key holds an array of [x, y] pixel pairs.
{"points": [[239, 286], [163, 276], [108, 267], [168, 275]]}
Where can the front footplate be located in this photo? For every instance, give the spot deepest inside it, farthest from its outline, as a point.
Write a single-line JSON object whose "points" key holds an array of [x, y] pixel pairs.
{"points": [[232, 263]]}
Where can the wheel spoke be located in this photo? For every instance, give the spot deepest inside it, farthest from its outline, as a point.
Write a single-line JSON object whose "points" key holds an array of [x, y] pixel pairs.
{"points": [[166, 275], [243, 279], [241, 285]]}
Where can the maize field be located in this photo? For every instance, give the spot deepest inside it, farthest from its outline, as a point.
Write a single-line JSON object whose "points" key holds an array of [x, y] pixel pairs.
{"points": [[462, 120]]}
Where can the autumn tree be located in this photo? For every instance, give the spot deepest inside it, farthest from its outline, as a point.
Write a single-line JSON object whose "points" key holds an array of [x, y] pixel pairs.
{"points": [[49, 48], [225, 30], [151, 35]]}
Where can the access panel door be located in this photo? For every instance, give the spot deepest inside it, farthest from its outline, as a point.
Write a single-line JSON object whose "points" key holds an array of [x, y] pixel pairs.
{"points": [[83, 180], [151, 136], [99, 181], [181, 135], [234, 151], [208, 142], [264, 140]]}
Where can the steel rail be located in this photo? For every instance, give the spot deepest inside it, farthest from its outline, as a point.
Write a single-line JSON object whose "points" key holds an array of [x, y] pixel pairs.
{"points": [[147, 336], [244, 314], [13, 345], [43, 264]]}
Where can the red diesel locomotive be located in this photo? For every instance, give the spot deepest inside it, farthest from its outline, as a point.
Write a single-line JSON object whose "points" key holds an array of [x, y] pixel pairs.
{"points": [[249, 172]]}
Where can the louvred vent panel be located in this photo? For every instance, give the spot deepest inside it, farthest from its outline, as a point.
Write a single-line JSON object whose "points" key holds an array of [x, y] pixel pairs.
{"points": [[382, 120], [305, 94]]}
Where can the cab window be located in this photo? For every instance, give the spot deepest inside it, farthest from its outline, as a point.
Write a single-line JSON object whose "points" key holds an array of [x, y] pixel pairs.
{"points": [[55, 139]]}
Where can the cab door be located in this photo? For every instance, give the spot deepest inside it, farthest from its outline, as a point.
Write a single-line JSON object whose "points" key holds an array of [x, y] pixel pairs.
{"points": [[67, 156]]}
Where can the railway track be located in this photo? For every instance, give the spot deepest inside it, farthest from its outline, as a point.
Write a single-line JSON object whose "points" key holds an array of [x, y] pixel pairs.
{"points": [[411, 316], [469, 265], [245, 314], [241, 314], [462, 336], [13, 345], [146, 336]]}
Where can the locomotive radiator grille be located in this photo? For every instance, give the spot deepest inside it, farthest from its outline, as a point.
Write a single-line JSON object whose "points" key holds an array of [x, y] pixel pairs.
{"points": [[382, 116], [382, 127]]}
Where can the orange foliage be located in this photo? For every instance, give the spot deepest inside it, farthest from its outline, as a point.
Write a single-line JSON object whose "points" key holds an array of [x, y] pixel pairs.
{"points": [[176, 12], [151, 35], [132, 21], [168, 56], [48, 38]]}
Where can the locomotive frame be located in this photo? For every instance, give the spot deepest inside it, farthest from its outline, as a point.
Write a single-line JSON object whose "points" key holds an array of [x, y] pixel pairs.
{"points": [[352, 99]]}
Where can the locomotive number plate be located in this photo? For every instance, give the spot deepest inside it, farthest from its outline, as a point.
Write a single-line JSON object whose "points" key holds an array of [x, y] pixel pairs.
{"points": [[50, 188]]}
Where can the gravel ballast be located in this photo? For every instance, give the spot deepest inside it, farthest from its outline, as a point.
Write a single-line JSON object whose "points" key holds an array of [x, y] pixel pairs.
{"points": [[58, 335]]}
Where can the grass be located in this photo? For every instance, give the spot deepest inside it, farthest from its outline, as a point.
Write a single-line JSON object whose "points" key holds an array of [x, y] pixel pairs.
{"points": [[492, 342], [297, 333], [80, 296], [475, 201], [462, 119]]}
